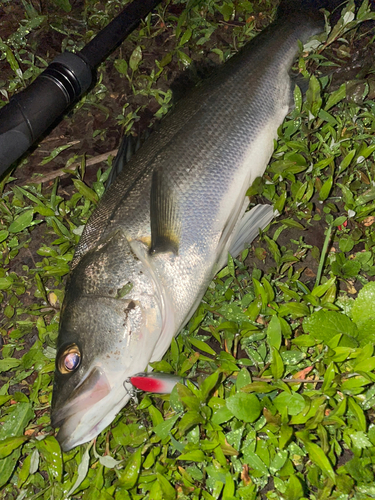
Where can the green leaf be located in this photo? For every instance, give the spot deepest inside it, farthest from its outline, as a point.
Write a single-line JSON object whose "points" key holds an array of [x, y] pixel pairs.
{"points": [[22, 221], [128, 478], [292, 223], [320, 290], [208, 385], [9, 444], [163, 429], [189, 420], [367, 196], [278, 461], [85, 191], [193, 456], [121, 65], [336, 96], [305, 341], [297, 98], [63, 4], [260, 292], [135, 58], [251, 459], [326, 189], [313, 99], [221, 415], [294, 403], [366, 365], [131, 434], [277, 364], [346, 243], [186, 37], [185, 59], [347, 160], [324, 163], [3, 234], [83, 468], [174, 400], [30, 466], [202, 346], [50, 449], [259, 387], [328, 377], [4, 284], [286, 432], [232, 312], [55, 153], [14, 425], [360, 419], [245, 407], [324, 325], [274, 333], [294, 309], [16, 420], [7, 466], [243, 378], [229, 488], [8, 364], [230, 265], [275, 251], [366, 332], [43, 210], [169, 493], [351, 268], [364, 306], [319, 458], [294, 489], [156, 416], [10, 58]]}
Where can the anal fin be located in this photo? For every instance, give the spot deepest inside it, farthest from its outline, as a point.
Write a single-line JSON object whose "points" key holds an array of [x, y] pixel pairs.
{"points": [[248, 227]]}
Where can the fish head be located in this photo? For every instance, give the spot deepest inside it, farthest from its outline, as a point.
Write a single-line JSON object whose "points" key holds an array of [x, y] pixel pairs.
{"points": [[103, 340]]}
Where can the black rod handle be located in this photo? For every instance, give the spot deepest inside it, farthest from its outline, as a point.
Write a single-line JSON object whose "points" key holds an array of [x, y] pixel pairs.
{"points": [[30, 112]]}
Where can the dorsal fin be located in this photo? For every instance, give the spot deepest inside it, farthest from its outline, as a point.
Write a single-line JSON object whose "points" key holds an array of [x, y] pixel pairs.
{"points": [[164, 215], [128, 146]]}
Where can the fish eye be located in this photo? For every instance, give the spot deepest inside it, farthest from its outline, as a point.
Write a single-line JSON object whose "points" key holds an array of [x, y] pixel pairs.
{"points": [[70, 359]]}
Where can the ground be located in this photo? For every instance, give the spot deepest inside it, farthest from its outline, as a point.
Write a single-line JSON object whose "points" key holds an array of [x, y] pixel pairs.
{"points": [[284, 333]]}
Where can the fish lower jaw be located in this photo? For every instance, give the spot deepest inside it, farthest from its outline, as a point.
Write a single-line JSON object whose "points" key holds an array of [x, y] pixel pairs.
{"points": [[85, 425]]}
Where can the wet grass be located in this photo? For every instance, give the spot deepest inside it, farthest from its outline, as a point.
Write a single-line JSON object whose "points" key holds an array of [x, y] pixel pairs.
{"points": [[282, 345]]}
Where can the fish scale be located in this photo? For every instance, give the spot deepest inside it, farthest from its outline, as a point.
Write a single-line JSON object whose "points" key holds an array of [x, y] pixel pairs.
{"points": [[165, 227]]}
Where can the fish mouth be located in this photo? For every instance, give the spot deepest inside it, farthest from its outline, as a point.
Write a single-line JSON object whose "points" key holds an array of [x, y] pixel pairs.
{"points": [[86, 412]]}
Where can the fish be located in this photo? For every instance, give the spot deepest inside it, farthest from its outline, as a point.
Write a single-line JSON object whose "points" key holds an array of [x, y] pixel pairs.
{"points": [[165, 226]]}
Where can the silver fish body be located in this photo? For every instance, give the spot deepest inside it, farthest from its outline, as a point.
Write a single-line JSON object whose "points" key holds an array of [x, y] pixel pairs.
{"points": [[137, 278]]}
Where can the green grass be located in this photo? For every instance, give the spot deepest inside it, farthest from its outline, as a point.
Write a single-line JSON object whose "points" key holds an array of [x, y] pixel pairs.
{"points": [[282, 345]]}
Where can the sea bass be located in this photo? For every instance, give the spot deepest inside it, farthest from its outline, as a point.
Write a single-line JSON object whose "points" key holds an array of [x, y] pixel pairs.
{"points": [[165, 227]]}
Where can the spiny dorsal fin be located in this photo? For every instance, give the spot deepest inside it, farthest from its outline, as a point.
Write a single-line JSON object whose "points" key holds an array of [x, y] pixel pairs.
{"points": [[164, 215], [128, 146]]}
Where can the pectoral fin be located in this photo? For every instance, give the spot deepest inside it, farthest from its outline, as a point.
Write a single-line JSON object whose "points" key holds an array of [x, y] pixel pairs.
{"points": [[164, 215]]}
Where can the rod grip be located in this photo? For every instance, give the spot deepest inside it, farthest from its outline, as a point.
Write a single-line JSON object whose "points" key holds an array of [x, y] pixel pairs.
{"points": [[30, 112]]}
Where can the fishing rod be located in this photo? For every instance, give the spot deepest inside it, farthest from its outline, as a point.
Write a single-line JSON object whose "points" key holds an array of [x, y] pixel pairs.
{"points": [[30, 112]]}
